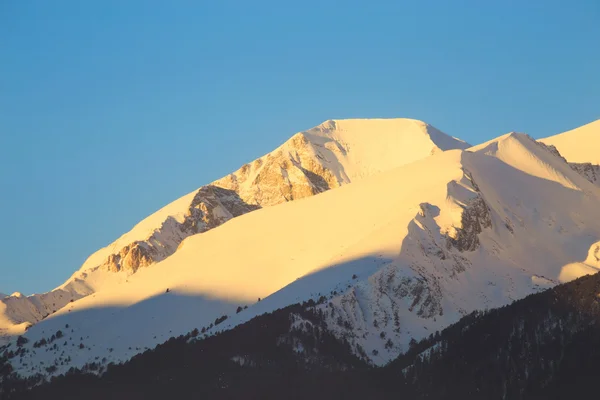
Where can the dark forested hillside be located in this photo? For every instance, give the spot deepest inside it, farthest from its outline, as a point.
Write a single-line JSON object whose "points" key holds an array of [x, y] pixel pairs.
{"points": [[287, 350], [546, 346]]}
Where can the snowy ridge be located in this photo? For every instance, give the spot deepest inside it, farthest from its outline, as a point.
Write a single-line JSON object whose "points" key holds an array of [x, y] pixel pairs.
{"points": [[514, 243], [391, 257], [589, 171], [580, 145], [581, 148], [328, 156]]}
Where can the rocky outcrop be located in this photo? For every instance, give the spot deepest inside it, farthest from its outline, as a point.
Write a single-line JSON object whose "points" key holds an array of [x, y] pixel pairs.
{"points": [[475, 217], [294, 171], [310, 162], [210, 207], [288, 174], [372, 315], [378, 316], [589, 171], [548, 147]]}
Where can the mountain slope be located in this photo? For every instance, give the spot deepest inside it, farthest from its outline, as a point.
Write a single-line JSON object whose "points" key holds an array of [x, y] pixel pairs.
{"points": [[580, 145], [391, 259], [508, 238], [545, 346], [330, 155], [327, 156], [581, 148], [542, 347]]}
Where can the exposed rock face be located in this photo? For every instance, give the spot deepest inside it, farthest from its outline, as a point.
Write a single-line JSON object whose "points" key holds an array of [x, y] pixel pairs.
{"points": [[403, 255], [579, 145], [430, 257], [588, 170], [292, 172], [551, 148], [282, 176], [475, 218], [381, 303], [130, 258], [210, 207], [309, 163], [410, 296]]}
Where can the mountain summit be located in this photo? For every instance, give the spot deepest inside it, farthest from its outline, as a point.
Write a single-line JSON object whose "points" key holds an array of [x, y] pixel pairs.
{"points": [[332, 154], [396, 253], [335, 153]]}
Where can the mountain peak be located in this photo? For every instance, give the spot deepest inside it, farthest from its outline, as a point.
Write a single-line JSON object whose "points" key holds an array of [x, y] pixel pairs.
{"points": [[380, 144], [332, 154], [406, 126], [406, 245], [399, 124]]}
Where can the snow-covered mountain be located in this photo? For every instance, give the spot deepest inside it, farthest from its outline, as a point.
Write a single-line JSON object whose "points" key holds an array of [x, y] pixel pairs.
{"points": [[580, 145], [327, 156], [581, 148], [332, 154], [398, 254]]}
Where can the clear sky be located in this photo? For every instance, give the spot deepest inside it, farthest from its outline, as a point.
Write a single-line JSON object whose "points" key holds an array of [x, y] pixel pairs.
{"points": [[111, 109]]}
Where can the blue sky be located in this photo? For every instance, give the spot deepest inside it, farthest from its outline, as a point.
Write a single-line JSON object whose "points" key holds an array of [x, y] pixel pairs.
{"points": [[111, 109]]}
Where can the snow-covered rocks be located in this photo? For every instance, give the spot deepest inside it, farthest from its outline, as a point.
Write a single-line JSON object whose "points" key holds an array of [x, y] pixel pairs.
{"points": [[393, 254], [325, 157]]}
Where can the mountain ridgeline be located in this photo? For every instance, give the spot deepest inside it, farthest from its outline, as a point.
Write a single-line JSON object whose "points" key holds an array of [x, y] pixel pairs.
{"points": [[332, 154], [357, 258]]}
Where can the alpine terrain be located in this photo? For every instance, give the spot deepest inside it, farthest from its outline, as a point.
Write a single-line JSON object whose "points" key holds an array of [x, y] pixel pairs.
{"points": [[330, 155], [545, 346], [419, 230], [580, 147]]}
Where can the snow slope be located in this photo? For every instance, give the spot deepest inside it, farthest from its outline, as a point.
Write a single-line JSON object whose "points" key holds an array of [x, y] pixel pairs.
{"points": [[398, 255], [580, 145], [330, 155], [527, 222], [327, 156], [581, 148]]}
